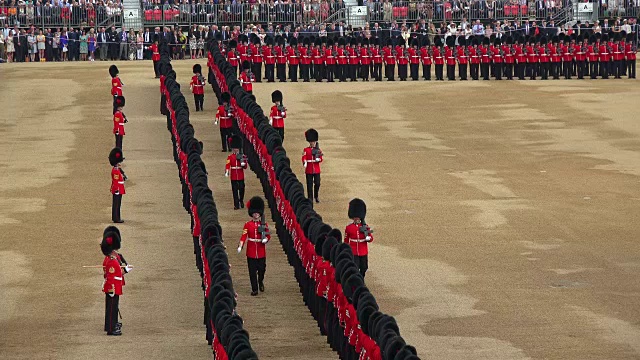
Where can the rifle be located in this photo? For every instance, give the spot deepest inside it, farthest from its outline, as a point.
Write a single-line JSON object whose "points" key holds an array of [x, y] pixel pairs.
{"points": [[281, 109], [365, 229], [262, 228], [228, 110], [316, 152]]}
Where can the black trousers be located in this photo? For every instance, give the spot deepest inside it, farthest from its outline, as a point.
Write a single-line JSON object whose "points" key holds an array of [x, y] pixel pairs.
{"points": [[554, 70], [111, 313], [581, 69], [331, 69], [364, 72], [593, 69], [362, 262], [519, 71], [451, 72], [199, 99], [196, 251], [617, 69], [225, 134], [313, 186], [415, 71], [119, 141], [293, 73], [312, 71], [319, 72], [631, 69], [508, 71], [304, 72], [257, 268], [237, 188], [280, 132], [339, 72], [473, 71], [390, 70], [281, 72], [439, 71], [268, 72], [353, 72], [402, 72], [604, 70], [567, 70], [156, 69], [256, 69], [498, 70], [115, 107], [426, 72], [115, 207], [484, 69], [532, 70], [462, 71]]}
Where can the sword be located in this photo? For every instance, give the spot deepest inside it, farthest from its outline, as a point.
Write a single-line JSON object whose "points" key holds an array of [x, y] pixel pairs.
{"points": [[100, 266]]}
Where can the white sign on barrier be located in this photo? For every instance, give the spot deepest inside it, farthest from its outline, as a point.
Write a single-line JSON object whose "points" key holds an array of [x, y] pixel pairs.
{"points": [[358, 10], [131, 13], [585, 7]]}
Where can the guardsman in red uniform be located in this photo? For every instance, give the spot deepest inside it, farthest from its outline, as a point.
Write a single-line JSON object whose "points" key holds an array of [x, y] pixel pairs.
{"points": [[498, 58], [623, 46], [358, 234], [330, 59], [305, 60], [463, 57], [269, 59], [234, 169], [341, 59], [604, 56], [117, 183], [630, 54], [567, 59], [256, 235], [119, 120], [232, 56], [592, 56], [243, 48], [509, 57], [438, 58], [545, 58], [113, 271], [318, 60], [278, 113], [116, 85], [365, 60], [354, 60], [281, 59], [414, 59], [197, 87], [224, 116], [293, 59], [155, 56], [376, 60], [425, 57], [312, 156], [389, 61], [618, 57], [474, 59], [555, 57], [246, 78], [532, 59], [256, 59], [449, 53], [485, 58], [580, 51]]}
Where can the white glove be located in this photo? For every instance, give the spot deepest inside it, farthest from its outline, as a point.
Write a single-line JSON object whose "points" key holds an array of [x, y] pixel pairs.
{"points": [[271, 122], [317, 159], [264, 241], [243, 164], [368, 238], [215, 122], [128, 268], [305, 164], [226, 173], [239, 249], [112, 294]]}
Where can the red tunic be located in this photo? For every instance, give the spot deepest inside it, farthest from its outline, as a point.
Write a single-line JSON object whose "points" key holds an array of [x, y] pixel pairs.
{"points": [[553, 50], [118, 123], [566, 53], [316, 55], [342, 56], [292, 57], [618, 52], [438, 59], [329, 57], [473, 54], [235, 168], [591, 51], [604, 52], [256, 57], [402, 60], [233, 58], [389, 59], [580, 55], [376, 56], [246, 81], [630, 52], [277, 117], [197, 87], [269, 57], [253, 238], [532, 57], [364, 56], [116, 86], [357, 239], [113, 275], [117, 181], [225, 117], [462, 56], [312, 164], [497, 57], [353, 56], [155, 52], [304, 55], [414, 56], [544, 57], [521, 58]]}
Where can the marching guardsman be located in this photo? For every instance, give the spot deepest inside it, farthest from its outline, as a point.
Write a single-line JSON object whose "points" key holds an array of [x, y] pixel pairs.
{"points": [[630, 54], [305, 60], [119, 120], [544, 59], [623, 47], [389, 61], [116, 85], [278, 113], [463, 58], [246, 78], [114, 267], [232, 56], [354, 60], [358, 235], [234, 169], [474, 56], [269, 59], [312, 156], [281, 59], [450, 58], [403, 62], [155, 55], [365, 60], [318, 60], [376, 60], [256, 235], [117, 183], [341, 67], [330, 59], [224, 116], [197, 87], [485, 58], [414, 59], [438, 58], [256, 58], [293, 59]]}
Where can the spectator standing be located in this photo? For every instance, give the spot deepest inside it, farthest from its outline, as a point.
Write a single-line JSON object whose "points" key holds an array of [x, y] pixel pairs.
{"points": [[102, 44], [33, 47], [112, 39], [10, 48], [131, 44], [122, 39], [2, 41], [140, 45], [92, 44], [40, 39], [55, 46], [64, 42]]}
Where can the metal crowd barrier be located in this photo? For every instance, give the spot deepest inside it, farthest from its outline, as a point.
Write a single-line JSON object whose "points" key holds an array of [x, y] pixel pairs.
{"points": [[57, 17]]}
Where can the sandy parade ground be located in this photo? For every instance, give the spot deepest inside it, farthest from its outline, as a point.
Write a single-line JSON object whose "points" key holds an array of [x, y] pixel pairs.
{"points": [[506, 214]]}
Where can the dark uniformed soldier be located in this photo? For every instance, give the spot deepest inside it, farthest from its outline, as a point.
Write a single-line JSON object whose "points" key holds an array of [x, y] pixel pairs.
{"points": [[358, 234], [256, 235], [312, 156], [117, 183], [119, 120], [278, 113], [234, 169], [197, 87], [225, 117], [113, 282], [116, 85]]}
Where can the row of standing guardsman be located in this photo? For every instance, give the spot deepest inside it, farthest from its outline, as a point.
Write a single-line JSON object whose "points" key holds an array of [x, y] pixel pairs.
{"points": [[350, 59]]}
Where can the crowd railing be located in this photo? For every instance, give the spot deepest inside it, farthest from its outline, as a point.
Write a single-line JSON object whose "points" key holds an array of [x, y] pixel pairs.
{"points": [[49, 16]]}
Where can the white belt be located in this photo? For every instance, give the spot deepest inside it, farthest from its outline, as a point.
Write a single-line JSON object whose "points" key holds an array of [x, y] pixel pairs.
{"points": [[277, 117], [117, 278], [198, 85], [254, 240], [358, 240], [236, 167], [121, 182]]}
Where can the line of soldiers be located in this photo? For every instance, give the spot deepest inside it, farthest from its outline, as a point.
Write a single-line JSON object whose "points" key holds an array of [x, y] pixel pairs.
{"points": [[350, 59], [116, 156]]}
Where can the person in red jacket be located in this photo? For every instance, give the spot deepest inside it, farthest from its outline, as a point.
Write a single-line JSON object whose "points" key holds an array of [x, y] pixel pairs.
{"points": [[580, 50], [155, 55], [117, 183], [555, 57], [318, 61], [358, 234], [365, 60], [474, 59], [269, 59], [116, 85], [312, 156], [224, 116], [545, 58], [402, 56], [604, 56], [113, 281], [232, 56], [246, 78], [305, 60], [449, 53], [256, 58], [341, 60], [281, 59], [630, 54], [293, 59], [498, 58], [389, 61], [376, 60], [617, 56], [197, 87], [234, 169], [256, 235], [118, 121], [463, 57], [354, 60], [278, 113], [414, 59], [438, 58], [330, 60]]}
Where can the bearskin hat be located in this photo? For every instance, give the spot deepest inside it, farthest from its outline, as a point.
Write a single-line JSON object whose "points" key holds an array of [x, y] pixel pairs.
{"points": [[110, 242], [497, 41], [197, 69], [218, 36], [508, 40], [365, 41], [630, 37], [111, 229], [486, 41], [474, 42], [243, 38], [233, 44], [415, 42], [616, 37], [113, 71], [293, 41], [341, 42], [437, 41], [305, 42], [357, 209], [311, 135], [156, 37], [353, 42], [268, 41], [255, 205], [376, 42], [317, 42], [426, 41], [119, 101], [246, 65], [235, 142], [329, 42], [115, 156], [605, 38], [225, 97], [462, 41], [543, 40], [555, 39], [276, 96]]}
